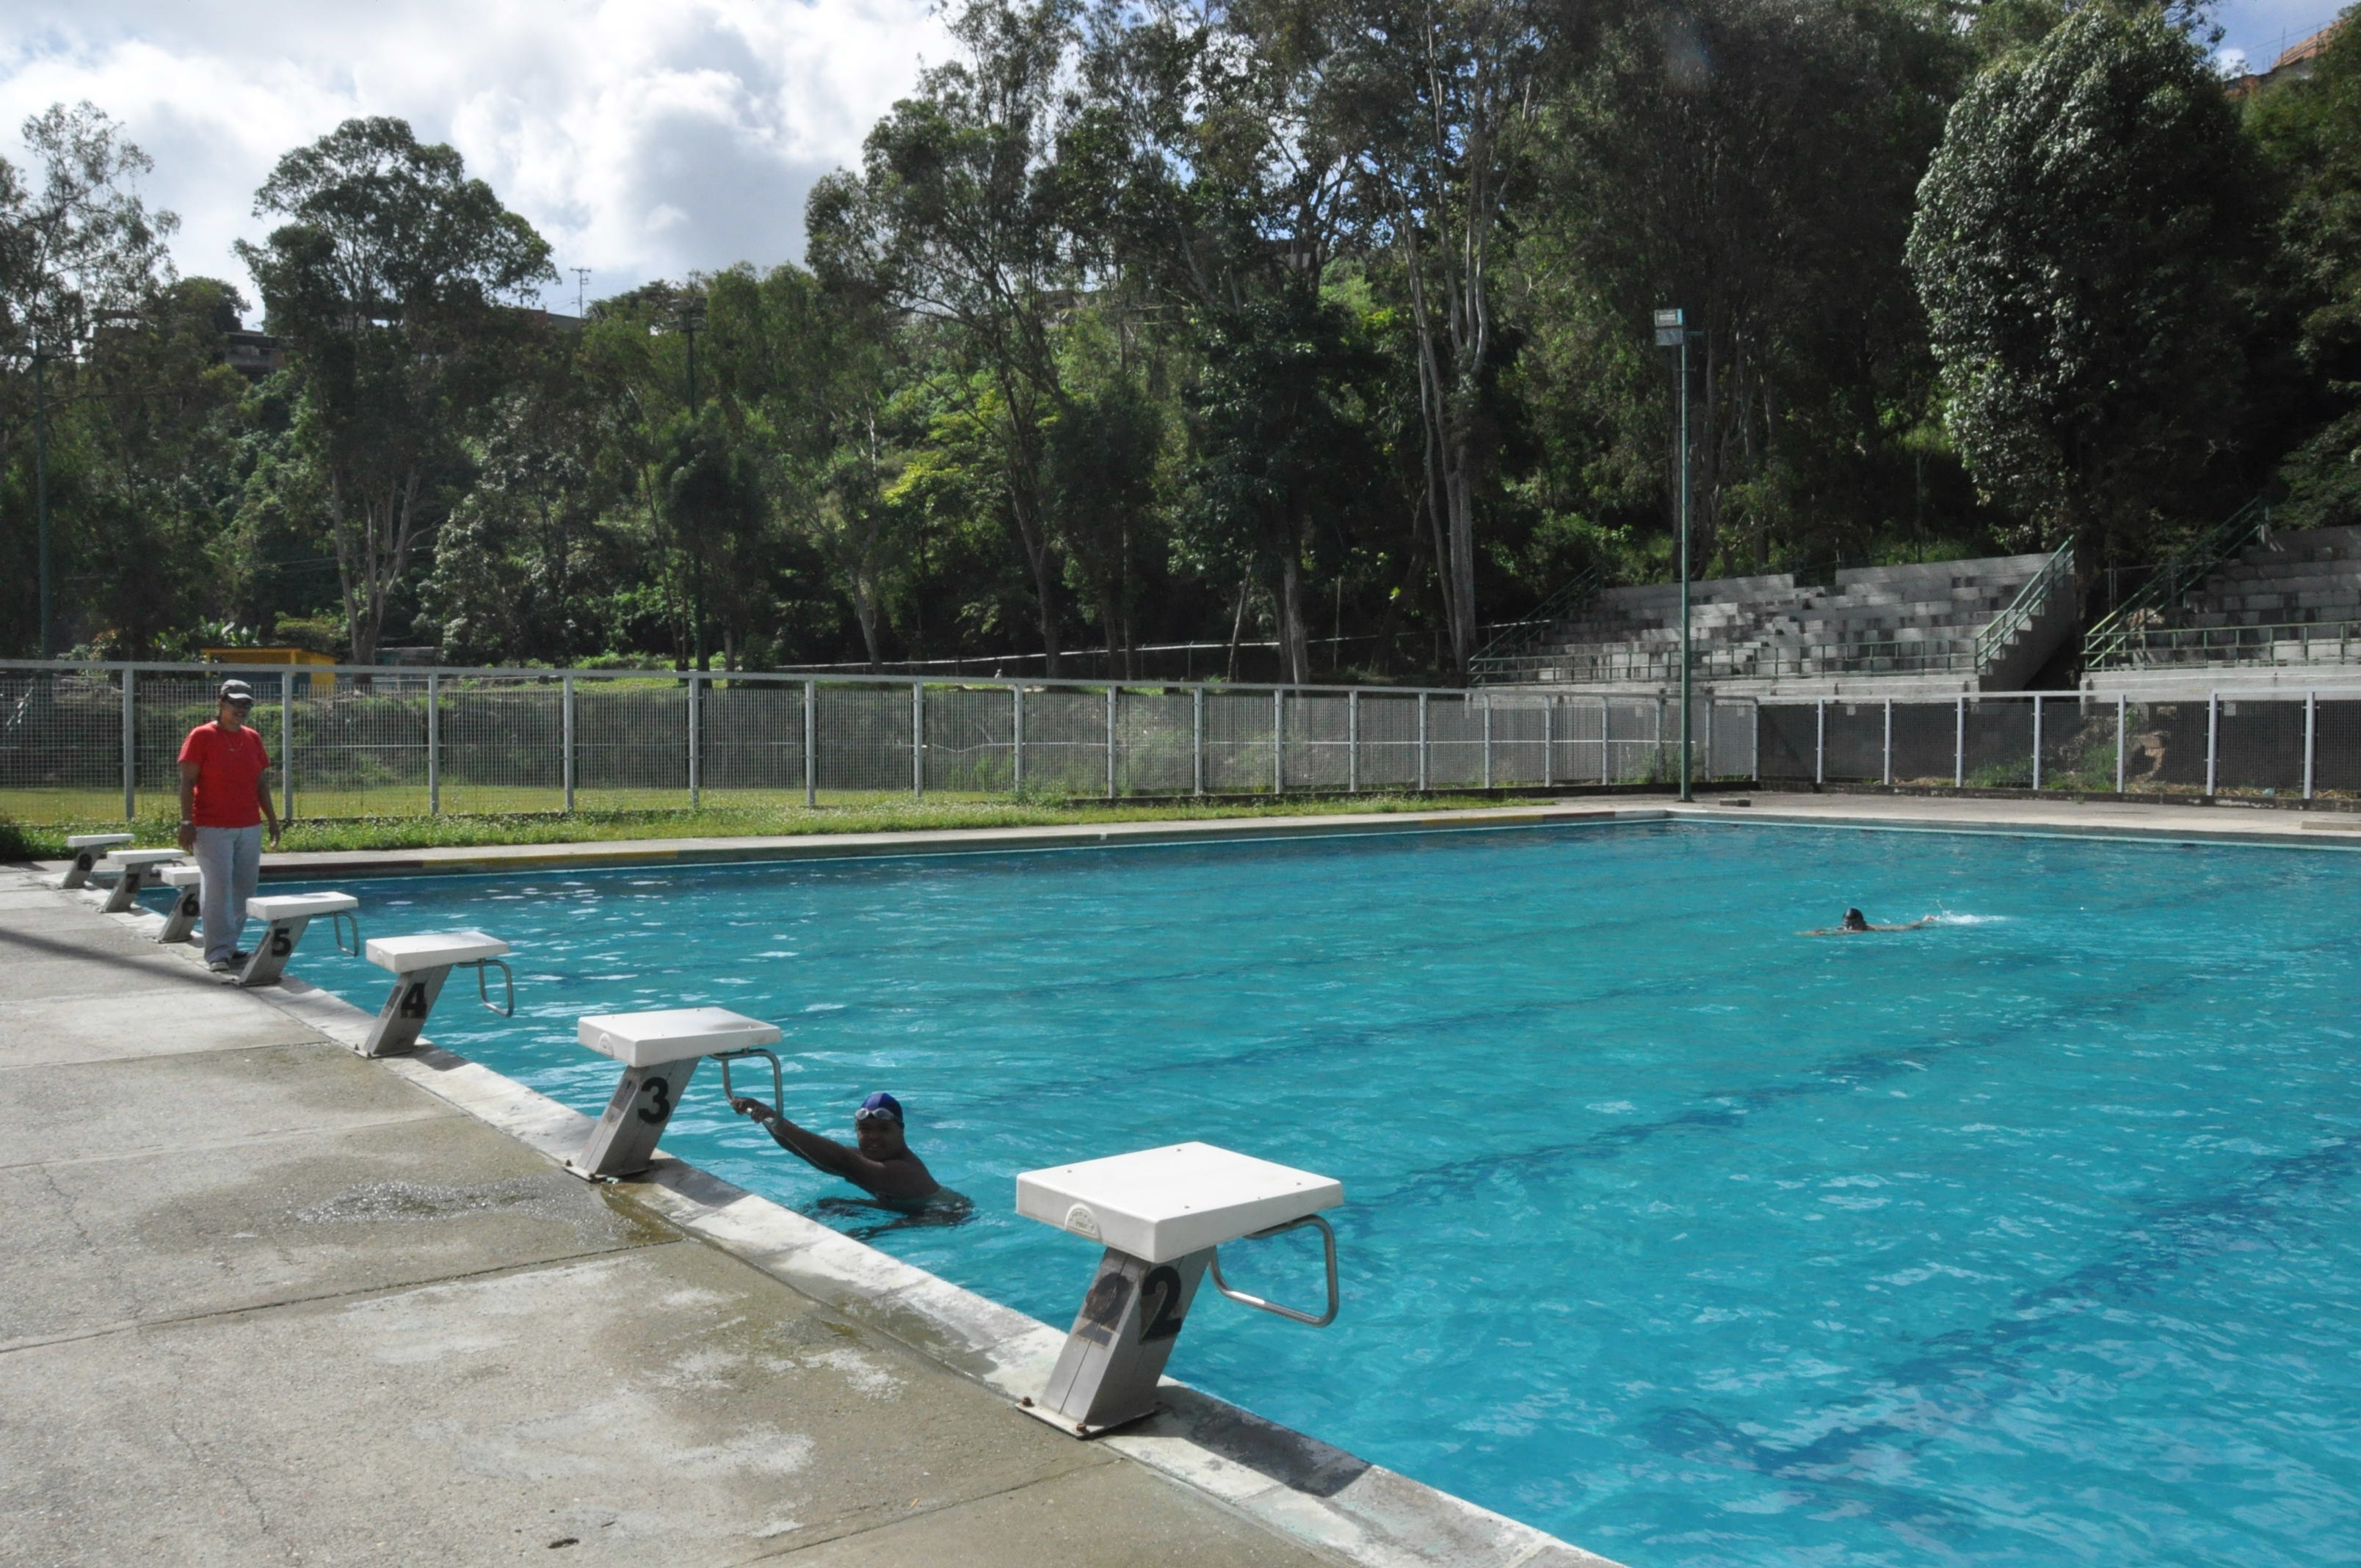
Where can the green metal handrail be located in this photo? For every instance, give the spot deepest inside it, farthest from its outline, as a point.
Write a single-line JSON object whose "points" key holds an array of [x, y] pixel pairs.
{"points": [[2257, 644], [1522, 636], [1938, 655], [2057, 575], [2105, 643]]}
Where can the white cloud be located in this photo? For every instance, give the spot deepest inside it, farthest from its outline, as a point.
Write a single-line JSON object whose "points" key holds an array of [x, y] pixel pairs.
{"points": [[645, 138]]}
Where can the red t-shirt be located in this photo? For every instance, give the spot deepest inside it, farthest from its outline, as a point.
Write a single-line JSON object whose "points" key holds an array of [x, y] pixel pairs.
{"points": [[228, 764]]}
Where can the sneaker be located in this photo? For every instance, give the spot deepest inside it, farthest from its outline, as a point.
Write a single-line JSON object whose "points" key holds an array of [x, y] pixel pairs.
{"points": [[239, 957], [221, 966]]}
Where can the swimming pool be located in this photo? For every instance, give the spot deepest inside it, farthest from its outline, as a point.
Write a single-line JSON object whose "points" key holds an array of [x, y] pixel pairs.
{"points": [[2027, 1237]]}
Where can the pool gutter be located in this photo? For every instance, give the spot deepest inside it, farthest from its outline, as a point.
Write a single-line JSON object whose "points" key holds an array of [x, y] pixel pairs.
{"points": [[1296, 1486]]}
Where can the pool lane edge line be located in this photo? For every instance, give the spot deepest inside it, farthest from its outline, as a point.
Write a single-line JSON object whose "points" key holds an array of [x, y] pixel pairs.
{"points": [[628, 855], [1303, 1490], [2095, 832]]}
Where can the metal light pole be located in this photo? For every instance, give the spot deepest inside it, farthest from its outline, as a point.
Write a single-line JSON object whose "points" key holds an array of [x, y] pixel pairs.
{"points": [[41, 485], [1672, 332]]}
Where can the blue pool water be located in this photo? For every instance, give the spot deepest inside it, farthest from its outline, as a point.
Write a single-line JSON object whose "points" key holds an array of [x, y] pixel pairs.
{"points": [[2027, 1238]]}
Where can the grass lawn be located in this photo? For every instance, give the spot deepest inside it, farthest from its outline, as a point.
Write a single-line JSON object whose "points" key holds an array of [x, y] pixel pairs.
{"points": [[45, 839]]}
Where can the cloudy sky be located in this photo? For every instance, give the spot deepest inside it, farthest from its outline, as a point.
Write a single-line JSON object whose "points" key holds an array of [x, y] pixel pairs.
{"points": [[644, 137]]}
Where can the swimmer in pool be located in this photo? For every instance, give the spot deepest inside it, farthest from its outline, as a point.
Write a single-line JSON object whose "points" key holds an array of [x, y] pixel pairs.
{"points": [[883, 1165], [1855, 921]]}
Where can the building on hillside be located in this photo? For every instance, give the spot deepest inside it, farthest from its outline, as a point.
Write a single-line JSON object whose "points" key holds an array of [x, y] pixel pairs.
{"points": [[2295, 63]]}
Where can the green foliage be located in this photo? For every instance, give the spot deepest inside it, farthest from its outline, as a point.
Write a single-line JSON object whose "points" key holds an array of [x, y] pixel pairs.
{"points": [[1195, 323], [389, 277], [2309, 133], [2083, 248]]}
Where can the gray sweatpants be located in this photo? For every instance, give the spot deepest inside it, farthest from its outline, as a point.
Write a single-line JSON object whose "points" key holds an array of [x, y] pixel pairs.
{"points": [[229, 860]]}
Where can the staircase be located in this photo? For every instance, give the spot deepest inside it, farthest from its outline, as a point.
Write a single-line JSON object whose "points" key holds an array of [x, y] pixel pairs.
{"points": [[2246, 606]]}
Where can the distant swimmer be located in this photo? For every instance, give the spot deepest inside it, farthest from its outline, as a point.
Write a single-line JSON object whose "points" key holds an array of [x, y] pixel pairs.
{"points": [[883, 1165], [1854, 920]]}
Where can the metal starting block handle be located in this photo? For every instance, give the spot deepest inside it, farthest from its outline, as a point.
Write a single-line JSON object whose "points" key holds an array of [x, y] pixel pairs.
{"points": [[285, 916], [660, 1052], [1162, 1213], [137, 869], [187, 883], [778, 1076], [86, 848], [1327, 1247], [420, 965]]}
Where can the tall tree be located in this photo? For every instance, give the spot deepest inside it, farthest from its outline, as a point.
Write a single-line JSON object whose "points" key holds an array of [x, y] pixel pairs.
{"points": [[80, 254], [399, 281], [2308, 131], [1439, 100], [955, 216], [2084, 247]]}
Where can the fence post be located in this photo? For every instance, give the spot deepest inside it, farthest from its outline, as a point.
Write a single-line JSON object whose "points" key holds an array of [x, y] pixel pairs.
{"points": [[1279, 741], [1353, 742], [2123, 736], [2036, 740], [1755, 745], [2212, 741], [1820, 742], [130, 749], [1889, 742], [1197, 739], [2311, 733], [565, 738], [1960, 745], [1658, 761], [1606, 741], [1488, 739], [433, 742], [1110, 741], [917, 739], [1422, 743], [1710, 704], [696, 721], [287, 745], [811, 745], [1549, 741]]}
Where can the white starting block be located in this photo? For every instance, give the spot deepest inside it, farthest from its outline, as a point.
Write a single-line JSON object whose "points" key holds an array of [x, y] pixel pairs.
{"points": [[420, 965], [286, 914], [1161, 1213], [187, 883], [659, 1052], [137, 869], [87, 848]]}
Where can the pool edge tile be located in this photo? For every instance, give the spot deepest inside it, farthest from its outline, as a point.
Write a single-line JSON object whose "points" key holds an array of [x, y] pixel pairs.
{"points": [[1362, 1513]]}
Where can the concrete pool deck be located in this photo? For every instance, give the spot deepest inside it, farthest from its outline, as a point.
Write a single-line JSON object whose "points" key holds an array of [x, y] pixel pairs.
{"points": [[270, 1301]]}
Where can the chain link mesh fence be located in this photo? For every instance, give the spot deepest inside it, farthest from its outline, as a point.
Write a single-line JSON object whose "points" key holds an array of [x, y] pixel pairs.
{"points": [[388, 742]]}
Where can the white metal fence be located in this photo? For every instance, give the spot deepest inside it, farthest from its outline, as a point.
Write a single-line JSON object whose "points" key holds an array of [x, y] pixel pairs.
{"points": [[90, 742], [2298, 744]]}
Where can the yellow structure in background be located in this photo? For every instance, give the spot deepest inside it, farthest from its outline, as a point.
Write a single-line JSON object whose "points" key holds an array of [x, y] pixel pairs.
{"points": [[322, 680]]}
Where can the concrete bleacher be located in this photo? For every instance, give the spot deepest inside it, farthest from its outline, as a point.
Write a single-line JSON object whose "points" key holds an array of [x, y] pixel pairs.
{"points": [[1918, 624], [2285, 611], [2308, 579]]}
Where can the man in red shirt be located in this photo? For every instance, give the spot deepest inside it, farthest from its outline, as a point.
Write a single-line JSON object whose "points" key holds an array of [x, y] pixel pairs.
{"points": [[224, 798]]}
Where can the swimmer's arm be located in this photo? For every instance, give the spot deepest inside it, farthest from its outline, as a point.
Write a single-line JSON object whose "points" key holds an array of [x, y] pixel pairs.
{"points": [[880, 1179], [819, 1153]]}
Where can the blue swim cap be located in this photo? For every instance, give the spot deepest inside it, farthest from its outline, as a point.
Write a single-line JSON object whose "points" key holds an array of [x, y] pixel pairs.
{"points": [[879, 1105]]}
